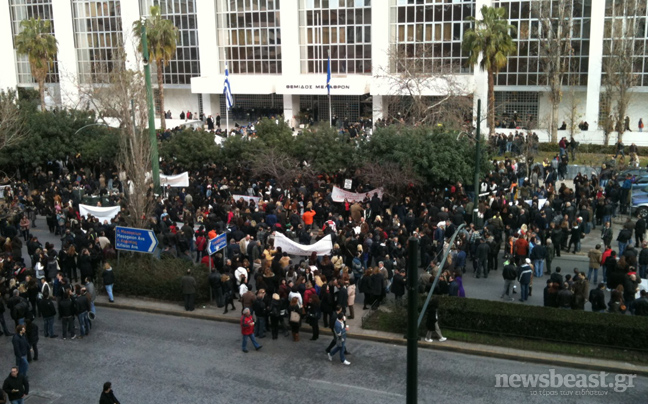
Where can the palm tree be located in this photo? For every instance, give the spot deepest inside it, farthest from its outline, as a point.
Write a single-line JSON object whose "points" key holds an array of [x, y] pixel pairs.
{"points": [[162, 37], [491, 39], [37, 42]]}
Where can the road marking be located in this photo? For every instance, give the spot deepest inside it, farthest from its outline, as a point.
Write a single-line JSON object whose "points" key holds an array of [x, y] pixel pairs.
{"points": [[354, 387]]}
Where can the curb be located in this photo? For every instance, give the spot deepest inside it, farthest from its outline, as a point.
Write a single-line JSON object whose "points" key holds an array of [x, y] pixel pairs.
{"points": [[531, 357]]}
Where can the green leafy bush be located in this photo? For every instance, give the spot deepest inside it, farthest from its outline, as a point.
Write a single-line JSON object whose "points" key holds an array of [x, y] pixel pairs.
{"points": [[493, 317], [145, 276]]}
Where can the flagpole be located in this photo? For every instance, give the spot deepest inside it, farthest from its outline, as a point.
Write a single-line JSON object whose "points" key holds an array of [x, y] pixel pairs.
{"points": [[329, 89]]}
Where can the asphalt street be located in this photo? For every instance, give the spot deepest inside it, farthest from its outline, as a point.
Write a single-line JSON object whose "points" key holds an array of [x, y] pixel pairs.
{"points": [[161, 359]]}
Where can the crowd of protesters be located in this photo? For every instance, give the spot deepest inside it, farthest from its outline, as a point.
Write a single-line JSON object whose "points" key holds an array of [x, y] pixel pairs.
{"points": [[522, 212]]}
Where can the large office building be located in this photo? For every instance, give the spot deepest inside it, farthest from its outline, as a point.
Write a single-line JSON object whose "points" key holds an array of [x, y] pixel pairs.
{"points": [[278, 51]]}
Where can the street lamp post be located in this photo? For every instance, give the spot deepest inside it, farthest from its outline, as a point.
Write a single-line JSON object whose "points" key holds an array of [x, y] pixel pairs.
{"points": [[477, 162]]}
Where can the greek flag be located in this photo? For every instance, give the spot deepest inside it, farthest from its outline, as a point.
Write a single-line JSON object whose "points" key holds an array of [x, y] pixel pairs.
{"points": [[227, 90], [328, 76]]}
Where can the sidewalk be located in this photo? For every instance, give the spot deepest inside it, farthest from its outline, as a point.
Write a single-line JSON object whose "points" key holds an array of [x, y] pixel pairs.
{"points": [[357, 332]]}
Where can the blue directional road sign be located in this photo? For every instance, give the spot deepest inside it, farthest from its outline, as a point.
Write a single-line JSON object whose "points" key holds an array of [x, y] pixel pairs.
{"points": [[137, 240], [217, 243]]}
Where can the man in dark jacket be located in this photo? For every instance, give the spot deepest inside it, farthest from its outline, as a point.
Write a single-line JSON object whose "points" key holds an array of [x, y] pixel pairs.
{"points": [[398, 284], [189, 290], [21, 349], [261, 313], [510, 275], [640, 230], [483, 250], [18, 307], [16, 386], [82, 306], [214, 280], [107, 395], [48, 311], [643, 261], [597, 298], [66, 315], [538, 255]]}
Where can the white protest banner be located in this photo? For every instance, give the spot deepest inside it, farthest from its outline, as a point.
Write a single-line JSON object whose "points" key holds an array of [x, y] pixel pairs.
{"points": [[100, 212], [541, 202], [339, 195], [322, 247], [247, 198], [180, 180]]}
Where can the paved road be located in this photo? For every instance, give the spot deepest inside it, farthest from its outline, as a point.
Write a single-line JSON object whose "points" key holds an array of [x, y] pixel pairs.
{"points": [[159, 359]]}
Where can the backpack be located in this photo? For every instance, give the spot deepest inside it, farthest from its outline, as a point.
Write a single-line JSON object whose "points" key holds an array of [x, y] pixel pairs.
{"points": [[356, 266]]}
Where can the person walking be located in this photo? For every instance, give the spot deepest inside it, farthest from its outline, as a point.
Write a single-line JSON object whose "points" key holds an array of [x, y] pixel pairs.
{"points": [[189, 290], [340, 330], [247, 330], [21, 349], [432, 322], [107, 395], [108, 277], [16, 386]]}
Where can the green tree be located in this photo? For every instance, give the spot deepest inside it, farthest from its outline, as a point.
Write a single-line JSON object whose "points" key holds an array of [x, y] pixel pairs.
{"points": [[325, 150], [191, 149], [37, 42], [162, 38], [428, 152], [491, 39]]}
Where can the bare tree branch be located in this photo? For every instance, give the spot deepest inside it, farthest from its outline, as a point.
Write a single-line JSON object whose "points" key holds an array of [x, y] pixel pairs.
{"points": [[13, 125]]}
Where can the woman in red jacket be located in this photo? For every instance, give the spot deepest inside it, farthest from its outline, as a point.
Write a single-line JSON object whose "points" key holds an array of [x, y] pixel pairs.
{"points": [[247, 329]]}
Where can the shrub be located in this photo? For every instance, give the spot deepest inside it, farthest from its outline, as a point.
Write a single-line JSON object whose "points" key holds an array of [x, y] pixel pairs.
{"points": [[570, 326], [146, 276]]}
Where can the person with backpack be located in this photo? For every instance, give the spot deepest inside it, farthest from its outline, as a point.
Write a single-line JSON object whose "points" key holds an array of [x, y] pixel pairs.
{"points": [[357, 268]]}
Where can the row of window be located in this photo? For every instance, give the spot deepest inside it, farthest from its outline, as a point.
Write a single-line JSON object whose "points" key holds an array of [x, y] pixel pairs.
{"points": [[340, 29]]}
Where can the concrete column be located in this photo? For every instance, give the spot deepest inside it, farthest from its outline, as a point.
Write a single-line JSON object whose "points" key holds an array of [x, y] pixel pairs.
{"points": [[67, 54], [207, 106], [130, 12], [381, 37], [207, 38], [289, 12], [481, 81], [595, 67], [8, 76], [378, 112], [291, 109]]}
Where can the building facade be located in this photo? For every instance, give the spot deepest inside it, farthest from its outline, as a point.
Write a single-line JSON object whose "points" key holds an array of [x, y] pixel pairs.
{"points": [[278, 52]]}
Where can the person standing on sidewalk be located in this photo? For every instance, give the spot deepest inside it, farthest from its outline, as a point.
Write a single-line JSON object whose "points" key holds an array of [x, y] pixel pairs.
{"points": [[189, 291], [108, 277], [247, 330], [340, 330], [594, 256]]}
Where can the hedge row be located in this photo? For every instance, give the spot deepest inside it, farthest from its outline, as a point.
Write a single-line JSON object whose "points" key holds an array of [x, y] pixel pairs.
{"points": [[146, 276], [506, 319]]}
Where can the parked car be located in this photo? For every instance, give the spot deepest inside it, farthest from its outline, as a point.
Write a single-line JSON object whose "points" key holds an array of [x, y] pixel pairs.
{"points": [[640, 205]]}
